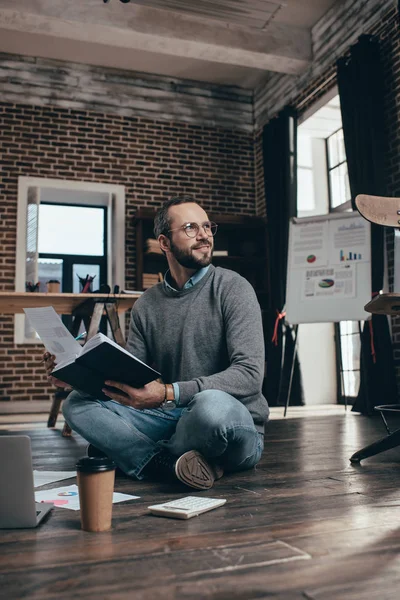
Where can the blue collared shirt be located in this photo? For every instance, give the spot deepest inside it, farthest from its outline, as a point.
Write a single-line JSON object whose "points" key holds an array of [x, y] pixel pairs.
{"points": [[195, 278]]}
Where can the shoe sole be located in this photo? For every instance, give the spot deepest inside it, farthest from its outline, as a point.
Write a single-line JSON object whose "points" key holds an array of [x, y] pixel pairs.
{"points": [[193, 470], [379, 209]]}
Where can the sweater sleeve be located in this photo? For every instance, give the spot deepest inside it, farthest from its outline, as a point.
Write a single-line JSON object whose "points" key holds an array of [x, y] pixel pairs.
{"points": [[136, 343], [245, 345]]}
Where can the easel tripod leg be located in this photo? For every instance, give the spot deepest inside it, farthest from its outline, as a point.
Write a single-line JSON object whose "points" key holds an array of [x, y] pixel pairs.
{"points": [[296, 330]]}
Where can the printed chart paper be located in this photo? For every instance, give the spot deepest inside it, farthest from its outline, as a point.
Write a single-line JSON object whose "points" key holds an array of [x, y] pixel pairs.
{"points": [[349, 241], [53, 333], [68, 497], [43, 477], [337, 281]]}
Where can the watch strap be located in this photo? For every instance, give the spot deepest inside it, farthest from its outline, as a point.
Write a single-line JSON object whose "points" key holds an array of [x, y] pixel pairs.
{"points": [[169, 393]]}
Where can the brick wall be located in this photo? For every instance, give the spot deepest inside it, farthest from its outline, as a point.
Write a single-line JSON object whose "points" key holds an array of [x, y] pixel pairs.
{"points": [[153, 160]]}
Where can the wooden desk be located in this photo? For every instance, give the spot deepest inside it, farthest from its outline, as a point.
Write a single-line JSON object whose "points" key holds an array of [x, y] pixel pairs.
{"points": [[14, 302]]}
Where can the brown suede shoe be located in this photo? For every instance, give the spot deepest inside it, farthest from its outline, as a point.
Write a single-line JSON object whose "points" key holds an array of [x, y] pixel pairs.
{"points": [[195, 471], [191, 468]]}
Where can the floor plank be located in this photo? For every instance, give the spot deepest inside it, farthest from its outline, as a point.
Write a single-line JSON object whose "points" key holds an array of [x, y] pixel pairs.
{"points": [[304, 524]]}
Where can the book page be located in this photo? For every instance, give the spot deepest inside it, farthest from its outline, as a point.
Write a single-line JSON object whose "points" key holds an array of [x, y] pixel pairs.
{"points": [[53, 333], [99, 338]]}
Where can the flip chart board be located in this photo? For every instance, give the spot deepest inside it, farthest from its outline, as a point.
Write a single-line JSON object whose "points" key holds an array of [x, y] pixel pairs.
{"points": [[329, 269]]}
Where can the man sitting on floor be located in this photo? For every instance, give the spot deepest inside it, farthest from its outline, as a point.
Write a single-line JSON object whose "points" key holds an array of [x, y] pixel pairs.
{"points": [[201, 329]]}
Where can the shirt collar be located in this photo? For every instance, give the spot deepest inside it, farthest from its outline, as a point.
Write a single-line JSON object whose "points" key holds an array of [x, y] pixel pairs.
{"points": [[195, 278]]}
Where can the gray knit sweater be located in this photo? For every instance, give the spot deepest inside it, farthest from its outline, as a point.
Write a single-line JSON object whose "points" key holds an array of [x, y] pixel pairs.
{"points": [[209, 336]]}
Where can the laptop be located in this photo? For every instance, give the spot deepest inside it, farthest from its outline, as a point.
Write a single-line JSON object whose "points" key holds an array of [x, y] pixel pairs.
{"points": [[17, 497]]}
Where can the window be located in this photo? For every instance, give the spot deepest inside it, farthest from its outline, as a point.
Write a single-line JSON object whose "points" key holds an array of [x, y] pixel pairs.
{"points": [[65, 229], [323, 187]]}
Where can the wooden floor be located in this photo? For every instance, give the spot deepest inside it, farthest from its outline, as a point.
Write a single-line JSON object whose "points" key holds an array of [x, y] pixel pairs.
{"points": [[304, 524]]}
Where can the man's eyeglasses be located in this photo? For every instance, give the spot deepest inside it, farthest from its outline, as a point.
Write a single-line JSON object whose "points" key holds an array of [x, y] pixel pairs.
{"points": [[192, 229]]}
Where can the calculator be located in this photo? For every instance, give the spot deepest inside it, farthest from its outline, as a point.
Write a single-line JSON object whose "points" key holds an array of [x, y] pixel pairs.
{"points": [[186, 508]]}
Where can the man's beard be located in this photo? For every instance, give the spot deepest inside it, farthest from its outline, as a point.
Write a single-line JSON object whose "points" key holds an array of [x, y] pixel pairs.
{"points": [[186, 259]]}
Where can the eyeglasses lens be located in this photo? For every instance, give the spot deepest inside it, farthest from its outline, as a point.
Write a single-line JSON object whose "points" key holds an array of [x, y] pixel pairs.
{"points": [[192, 229]]}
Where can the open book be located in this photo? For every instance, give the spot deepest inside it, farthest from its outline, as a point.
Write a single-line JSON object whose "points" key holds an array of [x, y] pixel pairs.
{"points": [[101, 359], [87, 368]]}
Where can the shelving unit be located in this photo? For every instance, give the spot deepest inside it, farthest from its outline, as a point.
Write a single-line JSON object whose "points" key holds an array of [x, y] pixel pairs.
{"points": [[243, 237]]}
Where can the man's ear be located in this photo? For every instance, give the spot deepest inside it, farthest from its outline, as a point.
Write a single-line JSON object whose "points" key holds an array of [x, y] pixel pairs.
{"points": [[164, 242]]}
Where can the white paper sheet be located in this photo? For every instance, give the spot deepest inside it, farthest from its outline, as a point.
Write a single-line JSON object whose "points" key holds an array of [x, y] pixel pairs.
{"points": [[43, 477], [68, 497], [53, 333], [308, 245]]}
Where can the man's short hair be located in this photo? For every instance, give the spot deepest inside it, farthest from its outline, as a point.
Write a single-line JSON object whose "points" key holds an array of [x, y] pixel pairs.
{"points": [[162, 222]]}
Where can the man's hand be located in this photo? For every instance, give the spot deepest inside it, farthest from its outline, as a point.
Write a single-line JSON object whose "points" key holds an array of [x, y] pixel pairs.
{"points": [[149, 396], [49, 361]]}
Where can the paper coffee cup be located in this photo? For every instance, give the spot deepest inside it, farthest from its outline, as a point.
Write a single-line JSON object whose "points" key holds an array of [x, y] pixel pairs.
{"points": [[96, 486], [53, 287]]}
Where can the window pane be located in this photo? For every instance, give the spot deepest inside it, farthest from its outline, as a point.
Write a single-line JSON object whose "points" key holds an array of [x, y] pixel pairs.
{"points": [[65, 229], [333, 152], [305, 190], [347, 364], [351, 382], [81, 271], [339, 180], [334, 181], [345, 175], [340, 146], [304, 152], [350, 352], [49, 268], [349, 327]]}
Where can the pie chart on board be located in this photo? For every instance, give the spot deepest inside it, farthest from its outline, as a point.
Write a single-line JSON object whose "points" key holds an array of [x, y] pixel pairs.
{"points": [[326, 283]]}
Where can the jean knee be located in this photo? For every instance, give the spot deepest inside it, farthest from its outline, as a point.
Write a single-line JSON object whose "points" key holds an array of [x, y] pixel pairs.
{"points": [[214, 409], [70, 405]]}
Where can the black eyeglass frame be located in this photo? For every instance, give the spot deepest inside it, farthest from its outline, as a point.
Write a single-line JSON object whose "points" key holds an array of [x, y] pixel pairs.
{"points": [[196, 228]]}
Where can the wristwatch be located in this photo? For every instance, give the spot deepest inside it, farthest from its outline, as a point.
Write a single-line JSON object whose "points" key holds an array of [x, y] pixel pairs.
{"points": [[169, 399]]}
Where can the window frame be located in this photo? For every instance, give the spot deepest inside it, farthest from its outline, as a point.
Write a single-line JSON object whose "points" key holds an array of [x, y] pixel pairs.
{"points": [[344, 206], [70, 259], [113, 196]]}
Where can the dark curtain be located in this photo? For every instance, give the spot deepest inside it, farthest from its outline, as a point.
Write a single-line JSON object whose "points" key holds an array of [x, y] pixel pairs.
{"points": [[360, 82], [280, 176]]}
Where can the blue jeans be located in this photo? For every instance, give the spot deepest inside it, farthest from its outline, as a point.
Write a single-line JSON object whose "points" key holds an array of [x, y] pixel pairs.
{"points": [[214, 423]]}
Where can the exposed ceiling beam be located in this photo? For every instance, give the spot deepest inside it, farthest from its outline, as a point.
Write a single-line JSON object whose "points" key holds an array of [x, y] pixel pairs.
{"points": [[280, 48]]}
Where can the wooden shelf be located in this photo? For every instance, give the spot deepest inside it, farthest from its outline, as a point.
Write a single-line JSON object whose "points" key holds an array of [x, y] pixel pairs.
{"points": [[14, 302], [246, 259], [243, 236]]}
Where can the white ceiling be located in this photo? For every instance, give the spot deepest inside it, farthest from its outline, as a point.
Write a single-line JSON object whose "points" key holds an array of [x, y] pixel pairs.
{"points": [[233, 42]]}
